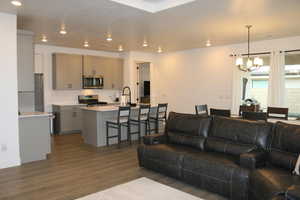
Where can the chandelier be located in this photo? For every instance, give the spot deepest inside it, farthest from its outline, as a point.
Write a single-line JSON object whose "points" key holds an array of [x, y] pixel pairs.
{"points": [[251, 64]]}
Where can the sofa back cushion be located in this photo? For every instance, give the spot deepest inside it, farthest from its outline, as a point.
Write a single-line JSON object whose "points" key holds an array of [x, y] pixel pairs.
{"points": [[187, 129], [236, 136], [285, 145]]}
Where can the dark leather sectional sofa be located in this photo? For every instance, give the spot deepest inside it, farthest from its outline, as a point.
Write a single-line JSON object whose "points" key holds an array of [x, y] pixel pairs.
{"points": [[238, 159]]}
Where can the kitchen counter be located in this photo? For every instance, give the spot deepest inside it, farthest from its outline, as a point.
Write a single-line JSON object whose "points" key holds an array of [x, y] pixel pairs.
{"points": [[106, 108], [34, 114], [34, 134]]}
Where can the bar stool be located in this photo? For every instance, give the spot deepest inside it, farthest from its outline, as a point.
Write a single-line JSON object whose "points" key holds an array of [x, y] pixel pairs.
{"points": [[142, 118], [122, 120], [160, 116]]}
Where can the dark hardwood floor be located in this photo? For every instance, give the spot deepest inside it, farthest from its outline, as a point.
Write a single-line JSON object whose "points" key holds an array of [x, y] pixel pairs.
{"points": [[74, 170]]}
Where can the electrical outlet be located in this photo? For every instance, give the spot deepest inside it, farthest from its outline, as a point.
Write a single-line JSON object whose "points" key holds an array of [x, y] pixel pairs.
{"points": [[3, 148]]}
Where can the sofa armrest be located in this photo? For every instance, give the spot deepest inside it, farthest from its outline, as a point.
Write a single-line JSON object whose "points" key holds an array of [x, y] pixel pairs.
{"points": [[293, 193], [253, 159], [154, 139]]}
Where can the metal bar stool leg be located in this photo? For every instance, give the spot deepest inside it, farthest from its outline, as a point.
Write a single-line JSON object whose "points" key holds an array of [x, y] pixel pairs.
{"points": [[139, 131], [107, 139], [129, 134], [119, 135], [156, 125]]}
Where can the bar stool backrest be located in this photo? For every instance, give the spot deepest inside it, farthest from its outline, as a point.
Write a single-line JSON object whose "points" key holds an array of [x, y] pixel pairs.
{"points": [[201, 109], [124, 114], [144, 112], [162, 111]]}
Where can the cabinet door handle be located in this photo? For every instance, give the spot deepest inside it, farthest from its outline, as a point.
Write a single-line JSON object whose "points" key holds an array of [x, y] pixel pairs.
{"points": [[74, 114], [70, 85]]}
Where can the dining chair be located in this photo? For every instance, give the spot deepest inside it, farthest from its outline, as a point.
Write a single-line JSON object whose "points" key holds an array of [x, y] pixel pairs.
{"points": [[256, 116], [278, 113], [245, 108], [201, 109], [220, 112]]}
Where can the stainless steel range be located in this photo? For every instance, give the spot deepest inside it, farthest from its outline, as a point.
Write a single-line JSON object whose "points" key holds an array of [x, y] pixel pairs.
{"points": [[90, 100]]}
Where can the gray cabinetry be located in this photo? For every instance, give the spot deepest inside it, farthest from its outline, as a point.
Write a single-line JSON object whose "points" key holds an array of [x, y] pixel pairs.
{"points": [[25, 61], [67, 71], [68, 119], [110, 68]]}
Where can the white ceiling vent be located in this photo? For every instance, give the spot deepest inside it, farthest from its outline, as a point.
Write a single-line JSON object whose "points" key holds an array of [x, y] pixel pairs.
{"points": [[153, 6]]}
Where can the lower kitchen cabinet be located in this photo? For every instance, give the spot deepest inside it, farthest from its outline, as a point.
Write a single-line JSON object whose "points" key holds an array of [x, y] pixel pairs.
{"points": [[68, 119]]}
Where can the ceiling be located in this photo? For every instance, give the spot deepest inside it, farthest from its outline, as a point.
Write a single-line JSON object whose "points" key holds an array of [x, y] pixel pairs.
{"points": [[153, 5], [182, 27]]}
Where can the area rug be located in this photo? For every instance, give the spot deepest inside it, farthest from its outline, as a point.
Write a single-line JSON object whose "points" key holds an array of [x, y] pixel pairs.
{"points": [[141, 189]]}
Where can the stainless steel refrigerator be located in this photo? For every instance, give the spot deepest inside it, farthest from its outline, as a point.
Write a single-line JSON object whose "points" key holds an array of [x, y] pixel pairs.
{"points": [[39, 92]]}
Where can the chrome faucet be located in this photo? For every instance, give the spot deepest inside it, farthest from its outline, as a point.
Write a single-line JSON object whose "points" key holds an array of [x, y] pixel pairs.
{"points": [[128, 94]]}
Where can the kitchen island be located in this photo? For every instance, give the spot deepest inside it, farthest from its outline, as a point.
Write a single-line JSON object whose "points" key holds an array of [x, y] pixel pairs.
{"points": [[94, 124]]}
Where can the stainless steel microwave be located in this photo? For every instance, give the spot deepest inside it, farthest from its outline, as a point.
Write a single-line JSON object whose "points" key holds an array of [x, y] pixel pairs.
{"points": [[93, 82]]}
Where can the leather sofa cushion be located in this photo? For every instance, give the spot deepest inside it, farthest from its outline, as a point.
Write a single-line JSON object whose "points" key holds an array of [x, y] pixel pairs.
{"points": [[216, 172], [188, 140], [188, 124], [241, 131], [285, 145], [164, 158], [227, 146], [270, 181], [286, 137], [283, 159]]}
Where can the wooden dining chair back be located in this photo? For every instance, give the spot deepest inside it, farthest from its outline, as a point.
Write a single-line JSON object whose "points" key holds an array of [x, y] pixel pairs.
{"points": [[220, 112], [256, 116], [201, 109], [245, 108], [278, 113]]}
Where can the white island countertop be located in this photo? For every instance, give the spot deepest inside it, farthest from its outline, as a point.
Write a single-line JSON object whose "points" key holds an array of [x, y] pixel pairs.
{"points": [[109, 108], [34, 114]]}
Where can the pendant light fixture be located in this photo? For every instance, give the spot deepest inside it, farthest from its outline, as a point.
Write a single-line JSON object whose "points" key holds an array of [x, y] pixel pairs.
{"points": [[251, 64]]}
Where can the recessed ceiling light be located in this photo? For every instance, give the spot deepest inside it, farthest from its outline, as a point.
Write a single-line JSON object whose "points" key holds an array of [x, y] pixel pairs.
{"points": [[120, 48], [63, 30], [208, 43], [86, 44], [16, 3], [145, 44], [159, 50], [44, 38], [109, 38]]}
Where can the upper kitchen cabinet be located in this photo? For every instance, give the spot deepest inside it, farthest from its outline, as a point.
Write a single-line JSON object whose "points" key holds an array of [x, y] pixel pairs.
{"points": [[113, 78], [111, 69], [67, 71], [93, 65], [25, 59]]}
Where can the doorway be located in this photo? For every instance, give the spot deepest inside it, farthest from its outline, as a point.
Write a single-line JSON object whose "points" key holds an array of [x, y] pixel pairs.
{"points": [[143, 83]]}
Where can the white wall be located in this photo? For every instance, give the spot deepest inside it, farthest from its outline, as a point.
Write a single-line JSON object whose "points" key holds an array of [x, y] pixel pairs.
{"points": [[206, 75], [130, 72], [9, 126], [44, 54]]}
